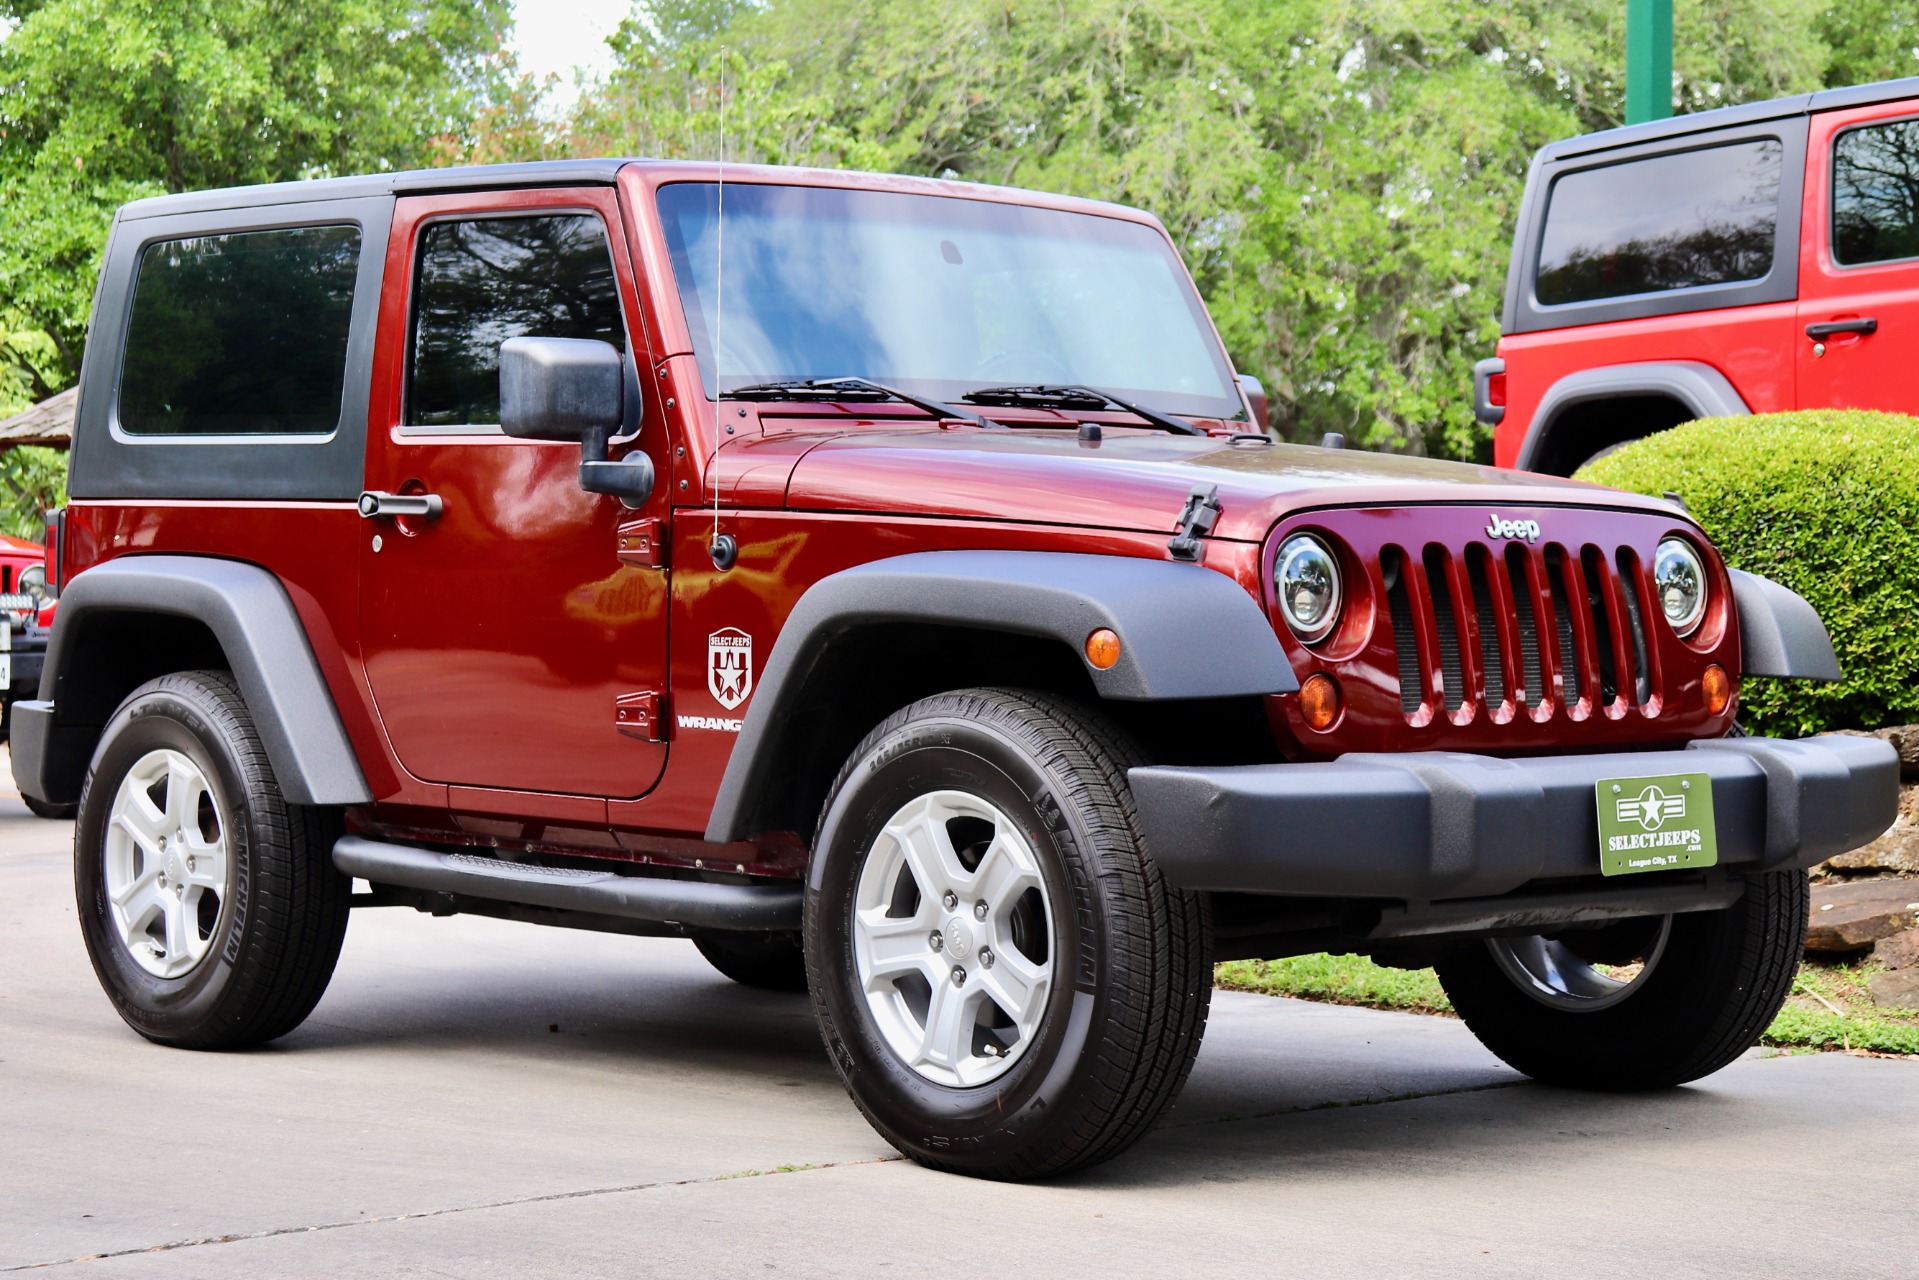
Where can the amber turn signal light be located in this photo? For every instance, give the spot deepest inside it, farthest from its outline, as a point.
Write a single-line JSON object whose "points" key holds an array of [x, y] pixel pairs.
{"points": [[1718, 688], [1319, 701], [1102, 648]]}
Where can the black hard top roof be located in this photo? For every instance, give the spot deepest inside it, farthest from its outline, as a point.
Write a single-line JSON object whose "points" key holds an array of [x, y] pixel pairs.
{"points": [[539, 173], [1728, 117]]}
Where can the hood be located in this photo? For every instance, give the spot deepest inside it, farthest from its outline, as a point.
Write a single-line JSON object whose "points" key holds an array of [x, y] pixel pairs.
{"points": [[1138, 480]]}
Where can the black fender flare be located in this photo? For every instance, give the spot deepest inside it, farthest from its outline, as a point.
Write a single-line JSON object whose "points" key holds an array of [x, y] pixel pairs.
{"points": [[1185, 632], [1701, 388], [266, 647], [1780, 633]]}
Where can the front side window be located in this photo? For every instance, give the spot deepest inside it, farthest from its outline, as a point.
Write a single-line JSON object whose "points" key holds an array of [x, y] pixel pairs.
{"points": [[938, 295], [1875, 193], [1675, 221], [484, 280], [240, 334]]}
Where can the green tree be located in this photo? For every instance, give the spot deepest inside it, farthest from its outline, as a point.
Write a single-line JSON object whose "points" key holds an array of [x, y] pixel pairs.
{"points": [[1341, 175], [103, 101]]}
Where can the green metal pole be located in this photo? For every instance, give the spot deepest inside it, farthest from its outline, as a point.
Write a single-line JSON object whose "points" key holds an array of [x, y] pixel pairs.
{"points": [[1648, 60]]}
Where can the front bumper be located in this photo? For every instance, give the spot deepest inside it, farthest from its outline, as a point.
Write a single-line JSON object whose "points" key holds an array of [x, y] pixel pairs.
{"points": [[1436, 825]]}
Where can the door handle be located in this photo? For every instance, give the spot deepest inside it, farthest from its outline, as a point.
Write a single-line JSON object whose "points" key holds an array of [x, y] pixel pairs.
{"points": [[1826, 328], [375, 505]]}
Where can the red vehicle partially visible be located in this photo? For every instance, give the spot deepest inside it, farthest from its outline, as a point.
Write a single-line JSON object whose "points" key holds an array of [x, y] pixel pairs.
{"points": [[1753, 259]]}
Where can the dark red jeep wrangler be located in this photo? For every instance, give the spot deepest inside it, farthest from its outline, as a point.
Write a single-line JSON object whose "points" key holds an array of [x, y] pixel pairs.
{"points": [[1753, 259], [883, 583]]}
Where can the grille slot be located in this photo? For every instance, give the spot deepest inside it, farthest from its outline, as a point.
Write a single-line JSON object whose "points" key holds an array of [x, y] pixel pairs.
{"points": [[1405, 645], [1597, 581], [1569, 671], [1492, 658], [1636, 625], [1452, 671], [1526, 618]]}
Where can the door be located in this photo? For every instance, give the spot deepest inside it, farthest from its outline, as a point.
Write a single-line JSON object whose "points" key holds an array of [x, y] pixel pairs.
{"points": [[1859, 268], [509, 640]]}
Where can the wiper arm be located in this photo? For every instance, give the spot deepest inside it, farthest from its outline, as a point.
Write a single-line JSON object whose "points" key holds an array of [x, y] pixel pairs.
{"points": [[1068, 395], [824, 387]]}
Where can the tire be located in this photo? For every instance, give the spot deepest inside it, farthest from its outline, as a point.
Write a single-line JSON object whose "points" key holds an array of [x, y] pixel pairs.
{"points": [[45, 809], [775, 963], [1714, 984], [1086, 978], [258, 911]]}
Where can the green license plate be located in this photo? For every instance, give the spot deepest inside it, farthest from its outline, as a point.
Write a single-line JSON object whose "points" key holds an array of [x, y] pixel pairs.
{"points": [[1656, 824]]}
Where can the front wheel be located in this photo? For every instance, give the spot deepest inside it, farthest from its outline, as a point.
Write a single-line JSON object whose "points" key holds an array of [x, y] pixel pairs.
{"points": [[1004, 981], [1642, 1004]]}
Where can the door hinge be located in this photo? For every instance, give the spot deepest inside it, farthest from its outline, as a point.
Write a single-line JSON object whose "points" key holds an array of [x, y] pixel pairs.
{"points": [[637, 715], [640, 544]]}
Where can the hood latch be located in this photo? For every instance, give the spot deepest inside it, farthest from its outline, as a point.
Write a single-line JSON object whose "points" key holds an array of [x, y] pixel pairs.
{"points": [[1196, 518]]}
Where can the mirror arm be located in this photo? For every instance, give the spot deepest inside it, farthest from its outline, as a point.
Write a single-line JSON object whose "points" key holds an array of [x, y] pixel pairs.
{"points": [[630, 479]]}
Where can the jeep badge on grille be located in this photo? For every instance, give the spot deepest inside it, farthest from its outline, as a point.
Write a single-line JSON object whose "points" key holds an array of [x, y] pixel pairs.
{"points": [[1497, 529]]}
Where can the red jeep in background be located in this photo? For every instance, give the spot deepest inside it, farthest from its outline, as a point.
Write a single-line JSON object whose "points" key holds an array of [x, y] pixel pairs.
{"points": [[1747, 260], [920, 622]]}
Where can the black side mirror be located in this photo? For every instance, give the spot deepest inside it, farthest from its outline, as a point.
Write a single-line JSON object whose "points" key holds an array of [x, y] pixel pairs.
{"points": [[573, 389], [1255, 392]]}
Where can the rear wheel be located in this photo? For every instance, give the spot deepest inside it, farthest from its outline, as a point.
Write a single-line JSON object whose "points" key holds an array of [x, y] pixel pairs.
{"points": [[774, 963], [210, 906], [46, 809], [1644, 1004], [1004, 981]]}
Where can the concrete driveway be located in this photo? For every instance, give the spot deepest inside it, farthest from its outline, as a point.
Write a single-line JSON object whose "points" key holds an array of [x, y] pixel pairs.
{"points": [[476, 1098]]}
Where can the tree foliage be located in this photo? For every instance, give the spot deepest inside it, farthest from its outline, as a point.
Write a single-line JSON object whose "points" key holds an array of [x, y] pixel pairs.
{"points": [[103, 101], [1342, 175]]}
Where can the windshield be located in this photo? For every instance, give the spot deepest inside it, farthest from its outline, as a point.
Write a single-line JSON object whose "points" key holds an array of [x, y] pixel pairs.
{"points": [[939, 295]]}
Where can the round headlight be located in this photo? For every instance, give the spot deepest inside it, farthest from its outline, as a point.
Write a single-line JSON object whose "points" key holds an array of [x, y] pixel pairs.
{"points": [[1307, 579], [1679, 580]]}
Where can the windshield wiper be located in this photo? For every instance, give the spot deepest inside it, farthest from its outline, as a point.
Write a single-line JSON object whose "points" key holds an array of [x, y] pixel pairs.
{"points": [[1075, 396], [829, 388]]}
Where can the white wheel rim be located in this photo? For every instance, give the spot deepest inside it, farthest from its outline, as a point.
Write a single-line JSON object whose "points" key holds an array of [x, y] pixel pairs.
{"points": [[954, 947], [166, 863], [1552, 973]]}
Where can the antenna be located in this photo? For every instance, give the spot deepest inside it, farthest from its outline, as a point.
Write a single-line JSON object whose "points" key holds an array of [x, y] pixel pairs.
{"points": [[724, 550]]}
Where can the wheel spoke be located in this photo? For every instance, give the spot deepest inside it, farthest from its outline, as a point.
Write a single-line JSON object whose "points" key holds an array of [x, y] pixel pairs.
{"points": [[184, 785], [1002, 875], [140, 818], [929, 854], [1017, 986], [183, 929], [894, 946], [209, 870], [945, 1041], [140, 886], [144, 900]]}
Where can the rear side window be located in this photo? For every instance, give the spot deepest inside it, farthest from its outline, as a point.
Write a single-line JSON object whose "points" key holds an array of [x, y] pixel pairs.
{"points": [[1674, 221], [1875, 193], [240, 334], [483, 281]]}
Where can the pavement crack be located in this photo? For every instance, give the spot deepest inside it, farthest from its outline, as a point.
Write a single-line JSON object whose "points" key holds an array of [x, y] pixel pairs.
{"points": [[1340, 1104], [450, 1211]]}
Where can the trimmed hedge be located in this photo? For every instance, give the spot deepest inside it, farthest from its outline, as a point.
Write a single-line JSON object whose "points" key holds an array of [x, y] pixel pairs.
{"points": [[1827, 503]]}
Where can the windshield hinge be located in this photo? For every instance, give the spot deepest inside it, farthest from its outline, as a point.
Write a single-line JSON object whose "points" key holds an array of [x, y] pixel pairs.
{"points": [[1197, 517]]}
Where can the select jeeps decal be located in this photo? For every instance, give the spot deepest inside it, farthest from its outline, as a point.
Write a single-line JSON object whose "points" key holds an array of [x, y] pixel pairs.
{"points": [[1655, 824], [1497, 529], [729, 666]]}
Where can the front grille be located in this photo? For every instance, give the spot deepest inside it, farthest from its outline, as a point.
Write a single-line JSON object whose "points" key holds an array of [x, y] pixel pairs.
{"points": [[1539, 631]]}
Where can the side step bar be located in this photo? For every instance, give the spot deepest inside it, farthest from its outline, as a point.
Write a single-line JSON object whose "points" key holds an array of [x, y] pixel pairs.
{"points": [[689, 904]]}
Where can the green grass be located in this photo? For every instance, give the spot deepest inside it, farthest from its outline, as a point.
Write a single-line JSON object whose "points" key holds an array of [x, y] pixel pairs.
{"points": [[1337, 980], [1808, 1021]]}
